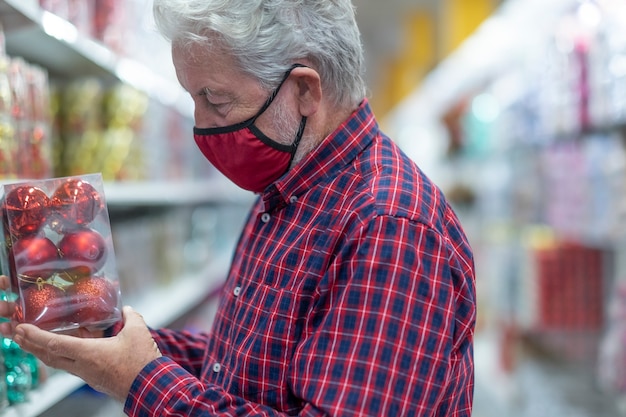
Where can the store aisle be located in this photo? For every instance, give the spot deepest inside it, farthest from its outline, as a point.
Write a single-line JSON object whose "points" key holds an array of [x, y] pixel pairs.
{"points": [[537, 388]]}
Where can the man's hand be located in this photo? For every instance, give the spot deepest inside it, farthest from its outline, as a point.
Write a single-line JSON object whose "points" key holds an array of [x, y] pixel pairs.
{"points": [[108, 365]]}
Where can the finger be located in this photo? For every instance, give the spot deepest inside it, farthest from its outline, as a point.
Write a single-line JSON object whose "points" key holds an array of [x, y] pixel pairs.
{"points": [[6, 329], [132, 319], [31, 339], [46, 345], [5, 283], [136, 329], [55, 350], [6, 309], [89, 334]]}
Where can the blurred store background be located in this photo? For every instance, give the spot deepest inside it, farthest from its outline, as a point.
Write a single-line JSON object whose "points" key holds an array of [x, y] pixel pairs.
{"points": [[516, 108], [522, 125]]}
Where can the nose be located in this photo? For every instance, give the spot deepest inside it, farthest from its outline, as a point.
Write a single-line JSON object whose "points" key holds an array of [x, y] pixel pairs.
{"points": [[202, 118]]}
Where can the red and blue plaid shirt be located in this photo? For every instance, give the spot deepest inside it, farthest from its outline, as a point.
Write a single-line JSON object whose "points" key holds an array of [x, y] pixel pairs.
{"points": [[351, 293]]}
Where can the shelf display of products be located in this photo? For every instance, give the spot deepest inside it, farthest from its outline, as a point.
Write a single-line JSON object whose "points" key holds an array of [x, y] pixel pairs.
{"points": [[531, 149], [94, 108], [25, 148], [73, 128], [77, 97], [98, 129]]}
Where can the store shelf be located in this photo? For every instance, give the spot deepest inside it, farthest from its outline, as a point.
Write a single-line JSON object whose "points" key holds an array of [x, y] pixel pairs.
{"points": [[161, 307], [45, 39], [18, 14], [513, 81], [170, 193], [57, 387], [538, 387], [169, 302], [493, 48]]}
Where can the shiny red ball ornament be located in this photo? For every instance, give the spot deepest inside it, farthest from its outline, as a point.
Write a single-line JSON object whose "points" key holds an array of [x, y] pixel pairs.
{"points": [[94, 301], [26, 210], [75, 203], [43, 305], [33, 257], [83, 252]]}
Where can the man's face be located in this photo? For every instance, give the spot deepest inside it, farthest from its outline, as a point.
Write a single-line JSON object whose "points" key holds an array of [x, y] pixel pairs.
{"points": [[222, 94]]}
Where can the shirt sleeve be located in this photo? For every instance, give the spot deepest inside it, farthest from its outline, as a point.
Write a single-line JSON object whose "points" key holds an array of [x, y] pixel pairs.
{"points": [[390, 334], [185, 348], [164, 388]]}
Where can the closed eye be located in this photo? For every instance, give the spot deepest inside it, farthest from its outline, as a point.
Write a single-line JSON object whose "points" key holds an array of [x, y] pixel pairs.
{"points": [[220, 107]]}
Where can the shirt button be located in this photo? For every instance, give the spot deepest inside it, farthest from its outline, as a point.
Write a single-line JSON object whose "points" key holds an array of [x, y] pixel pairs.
{"points": [[293, 199], [217, 367], [265, 217], [237, 291]]}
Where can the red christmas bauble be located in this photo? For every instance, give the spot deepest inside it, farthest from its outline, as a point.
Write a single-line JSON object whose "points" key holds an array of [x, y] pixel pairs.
{"points": [[94, 300], [26, 209], [33, 257], [75, 203], [83, 252], [43, 305]]}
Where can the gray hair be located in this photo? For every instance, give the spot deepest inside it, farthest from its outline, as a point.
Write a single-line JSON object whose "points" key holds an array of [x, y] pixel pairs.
{"points": [[267, 36]]}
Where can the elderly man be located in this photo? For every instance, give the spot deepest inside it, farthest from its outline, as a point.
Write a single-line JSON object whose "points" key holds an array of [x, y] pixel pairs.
{"points": [[352, 288]]}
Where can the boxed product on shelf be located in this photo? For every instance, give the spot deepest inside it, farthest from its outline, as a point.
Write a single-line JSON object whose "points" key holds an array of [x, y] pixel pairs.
{"points": [[97, 128], [8, 147], [25, 143], [561, 290], [58, 252]]}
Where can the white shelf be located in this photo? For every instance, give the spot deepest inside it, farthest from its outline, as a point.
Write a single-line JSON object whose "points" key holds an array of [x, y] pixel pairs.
{"points": [[180, 298], [170, 302], [45, 39], [174, 193], [169, 193]]}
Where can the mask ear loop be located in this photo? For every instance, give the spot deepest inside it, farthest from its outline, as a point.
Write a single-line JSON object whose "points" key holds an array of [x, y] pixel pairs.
{"points": [[272, 96], [300, 133], [296, 141]]}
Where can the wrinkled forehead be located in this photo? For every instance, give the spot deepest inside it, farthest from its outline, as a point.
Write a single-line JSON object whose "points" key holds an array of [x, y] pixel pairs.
{"points": [[199, 67], [209, 57]]}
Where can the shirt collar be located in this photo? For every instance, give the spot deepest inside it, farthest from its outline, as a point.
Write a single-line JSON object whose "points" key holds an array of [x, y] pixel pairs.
{"points": [[336, 151]]}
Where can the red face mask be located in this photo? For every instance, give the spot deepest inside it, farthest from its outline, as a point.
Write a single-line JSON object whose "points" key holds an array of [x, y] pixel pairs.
{"points": [[246, 155]]}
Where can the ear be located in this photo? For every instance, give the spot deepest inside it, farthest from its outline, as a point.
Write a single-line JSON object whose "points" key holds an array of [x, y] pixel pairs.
{"points": [[308, 90]]}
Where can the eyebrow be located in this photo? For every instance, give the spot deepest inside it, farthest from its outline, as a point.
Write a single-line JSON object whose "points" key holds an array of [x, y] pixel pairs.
{"points": [[206, 91]]}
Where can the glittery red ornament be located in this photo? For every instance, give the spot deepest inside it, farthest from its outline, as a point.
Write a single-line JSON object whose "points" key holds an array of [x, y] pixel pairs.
{"points": [[33, 257], [43, 305], [94, 301], [75, 203], [26, 210], [83, 252]]}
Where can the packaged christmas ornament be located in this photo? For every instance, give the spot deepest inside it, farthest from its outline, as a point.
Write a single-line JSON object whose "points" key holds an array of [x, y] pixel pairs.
{"points": [[58, 252]]}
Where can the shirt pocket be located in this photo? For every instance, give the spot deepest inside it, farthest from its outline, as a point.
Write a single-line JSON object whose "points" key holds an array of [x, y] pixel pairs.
{"points": [[268, 325]]}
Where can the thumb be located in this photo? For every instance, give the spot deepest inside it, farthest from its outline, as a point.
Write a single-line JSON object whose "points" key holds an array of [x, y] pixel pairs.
{"points": [[137, 334], [132, 319]]}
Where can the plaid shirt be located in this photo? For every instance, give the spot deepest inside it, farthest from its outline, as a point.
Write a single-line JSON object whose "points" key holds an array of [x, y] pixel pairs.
{"points": [[351, 293]]}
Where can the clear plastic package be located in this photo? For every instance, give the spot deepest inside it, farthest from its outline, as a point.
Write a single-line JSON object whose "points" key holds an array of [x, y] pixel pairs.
{"points": [[58, 252]]}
